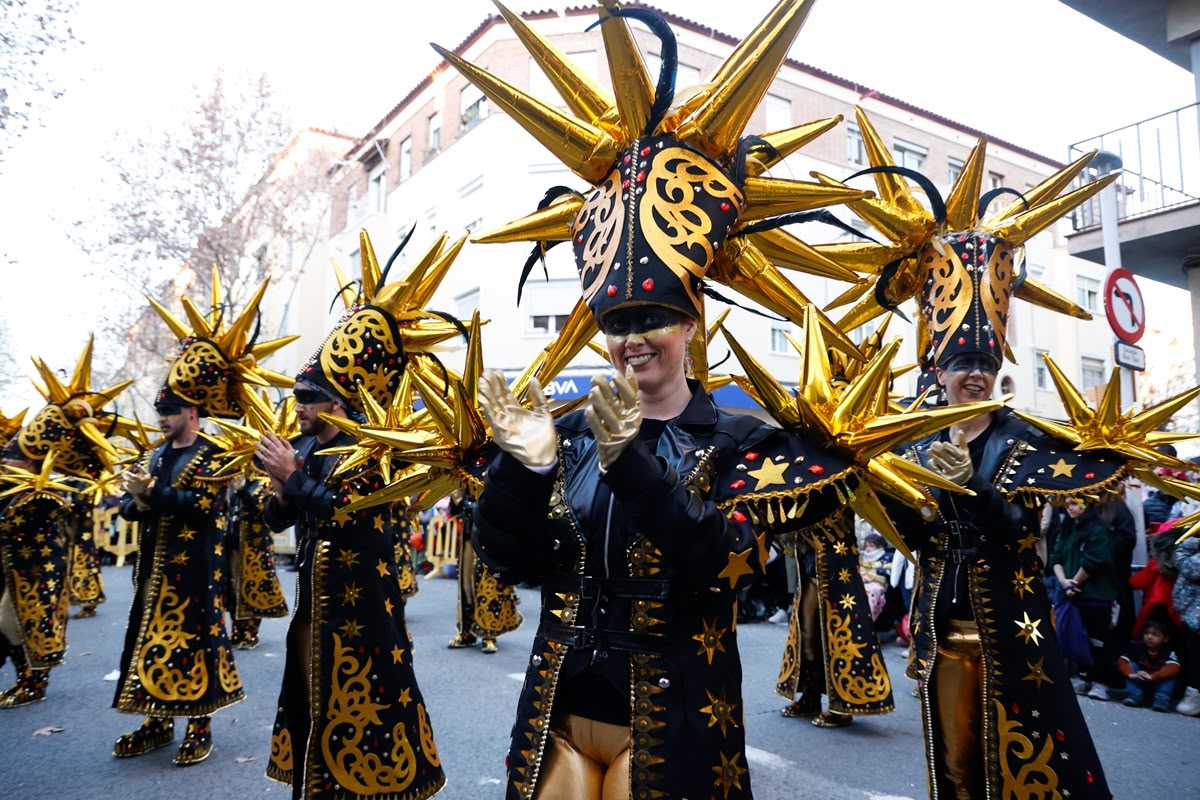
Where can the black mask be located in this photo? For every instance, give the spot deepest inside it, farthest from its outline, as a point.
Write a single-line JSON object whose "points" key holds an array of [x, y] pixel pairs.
{"points": [[971, 362], [310, 397], [639, 319]]}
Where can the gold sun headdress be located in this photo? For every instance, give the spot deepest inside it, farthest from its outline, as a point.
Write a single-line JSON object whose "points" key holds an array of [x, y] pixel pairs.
{"points": [[962, 262], [680, 196], [10, 425], [73, 429], [217, 368]]}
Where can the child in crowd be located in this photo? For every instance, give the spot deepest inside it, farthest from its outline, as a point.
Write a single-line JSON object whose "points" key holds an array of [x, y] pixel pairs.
{"points": [[1150, 667]]}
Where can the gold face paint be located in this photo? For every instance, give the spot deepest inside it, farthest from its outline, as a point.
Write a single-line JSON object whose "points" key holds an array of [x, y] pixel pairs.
{"points": [[656, 333]]}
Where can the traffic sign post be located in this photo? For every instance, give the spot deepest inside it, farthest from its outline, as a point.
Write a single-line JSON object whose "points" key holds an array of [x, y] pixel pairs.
{"points": [[1124, 307], [1129, 355]]}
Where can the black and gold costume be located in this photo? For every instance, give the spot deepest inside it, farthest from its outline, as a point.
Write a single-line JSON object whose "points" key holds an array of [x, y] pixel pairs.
{"points": [[831, 645], [85, 581], [177, 660], [254, 589], [349, 670], [487, 608], [640, 572]]}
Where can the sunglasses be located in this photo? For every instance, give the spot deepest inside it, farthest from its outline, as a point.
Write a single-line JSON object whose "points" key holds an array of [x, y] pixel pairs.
{"points": [[167, 409], [310, 397]]}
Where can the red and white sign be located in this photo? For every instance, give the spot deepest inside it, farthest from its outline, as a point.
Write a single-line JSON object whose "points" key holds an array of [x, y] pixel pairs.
{"points": [[1124, 306]]}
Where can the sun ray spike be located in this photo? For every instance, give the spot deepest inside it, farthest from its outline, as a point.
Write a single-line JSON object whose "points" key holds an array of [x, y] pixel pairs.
{"points": [[631, 84], [963, 201], [1047, 189], [550, 224], [1032, 222]]}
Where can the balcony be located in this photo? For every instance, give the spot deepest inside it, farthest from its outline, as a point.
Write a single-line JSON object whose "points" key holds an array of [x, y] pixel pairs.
{"points": [[1158, 197]]}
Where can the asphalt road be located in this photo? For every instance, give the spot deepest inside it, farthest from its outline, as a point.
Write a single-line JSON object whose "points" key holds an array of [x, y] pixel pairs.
{"points": [[61, 748]]}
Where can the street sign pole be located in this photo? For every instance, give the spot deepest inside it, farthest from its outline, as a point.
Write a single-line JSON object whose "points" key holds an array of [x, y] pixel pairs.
{"points": [[1104, 164]]}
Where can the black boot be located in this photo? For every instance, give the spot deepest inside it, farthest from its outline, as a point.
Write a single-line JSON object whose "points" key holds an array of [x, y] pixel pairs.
{"points": [[31, 683]]}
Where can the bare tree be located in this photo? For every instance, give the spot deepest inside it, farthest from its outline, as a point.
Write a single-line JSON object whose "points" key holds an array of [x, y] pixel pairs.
{"points": [[1163, 384], [30, 30], [224, 189]]}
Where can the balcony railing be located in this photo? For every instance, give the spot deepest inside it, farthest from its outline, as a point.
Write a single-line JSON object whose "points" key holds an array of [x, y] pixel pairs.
{"points": [[1160, 160]]}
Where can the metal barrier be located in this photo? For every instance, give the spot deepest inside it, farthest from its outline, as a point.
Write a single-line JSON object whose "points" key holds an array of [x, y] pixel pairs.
{"points": [[113, 533], [442, 537]]}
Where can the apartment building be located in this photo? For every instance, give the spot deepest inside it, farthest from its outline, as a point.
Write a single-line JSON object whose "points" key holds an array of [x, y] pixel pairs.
{"points": [[441, 160]]}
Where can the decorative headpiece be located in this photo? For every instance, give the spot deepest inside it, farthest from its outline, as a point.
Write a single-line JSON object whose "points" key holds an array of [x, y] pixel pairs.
{"points": [[680, 197], [964, 266], [217, 368], [73, 428], [10, 425], [383, 327]]}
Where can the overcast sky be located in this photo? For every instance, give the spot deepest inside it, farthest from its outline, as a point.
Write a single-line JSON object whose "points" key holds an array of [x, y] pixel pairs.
{"points": [[1031, 72]]}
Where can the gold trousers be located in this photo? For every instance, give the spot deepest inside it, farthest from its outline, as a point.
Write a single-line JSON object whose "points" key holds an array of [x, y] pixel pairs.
{"points": [[957, 689], [585, 760]]}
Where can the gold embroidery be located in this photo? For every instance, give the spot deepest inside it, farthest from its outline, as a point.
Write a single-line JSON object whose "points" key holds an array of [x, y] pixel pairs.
{"points": [[1034, 777], [346, 345], [874, 685], [604, 209], [227, 672], [165, 639], [281, 750], [428, 745], [952, 292]]}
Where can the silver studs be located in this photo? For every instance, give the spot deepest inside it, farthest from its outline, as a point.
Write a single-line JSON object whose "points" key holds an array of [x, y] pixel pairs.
{"points": [[664, 683]]}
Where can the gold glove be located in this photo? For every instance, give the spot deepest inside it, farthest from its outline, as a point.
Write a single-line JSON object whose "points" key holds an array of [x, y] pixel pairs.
{"points": [[527, 434], [952, 459], [615, 417]]}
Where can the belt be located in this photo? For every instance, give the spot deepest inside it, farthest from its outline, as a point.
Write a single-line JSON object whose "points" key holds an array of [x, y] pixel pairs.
{"points": [[962, 555], [588, 586], [602, 639]]}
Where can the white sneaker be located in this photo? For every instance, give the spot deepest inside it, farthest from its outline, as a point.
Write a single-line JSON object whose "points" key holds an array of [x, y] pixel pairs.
{"points": [[1080, 685], [1190, 704], [1098, 692], [780, 615]]}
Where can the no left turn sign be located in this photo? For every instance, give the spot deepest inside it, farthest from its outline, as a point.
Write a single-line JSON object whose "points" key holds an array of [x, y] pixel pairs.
{"points": [[1124, 306]]}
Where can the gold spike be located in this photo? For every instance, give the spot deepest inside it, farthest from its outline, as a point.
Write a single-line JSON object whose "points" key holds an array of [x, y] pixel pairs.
{"points": [[963, 200], [788, 252], [769, 392], [769, 197], [1151, 418], [893, 189], [741, 81], [864, 392], [54, 391], [1047, 189], [910, 228], [1073, 402], [576, 332], [343, 283], [586, 150], [633, 87], [585, 98], [550, 224], [427, 286], [83, 368], [216, 298], [1028, 224], [370, 266], [197, 318], [1041, 295], [786, 142], [867, 505], [264, 349], [233, 341]]}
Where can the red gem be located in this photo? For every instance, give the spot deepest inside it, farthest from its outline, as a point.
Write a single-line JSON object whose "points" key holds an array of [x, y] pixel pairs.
{"points": [[962, 340], [817, 469], [625, 183], [611, 291], [1089, 475], [579, 239], [751, 455], [646, 150], [739, 516], [1059, 735], [982, 258], [738, 484], [1090, 778], [724, 206], [648, 285], [1016, 709], [641, 176], [626, 159]]}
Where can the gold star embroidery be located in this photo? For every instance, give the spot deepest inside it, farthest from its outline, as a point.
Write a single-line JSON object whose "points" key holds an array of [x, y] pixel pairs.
{"points": [[720, 711], [379, 523], [1037, 673], [351, 630], [737, 566], [218, 550], [1021, 582], [382, 568], [180, 558], [844, 575], [341, 516], [51, 585], [205, 502], [215, 630], [840, 548], [710, 639], [221, 523], [397, 654], [1029, 629], [187, 534], [847, 602], [347, 558], [387, 606], [350, 594], [217, 575], [1062, 469], [769, 474], [406, 697], [763, 552], [1029, 542], [729, 773], [46, 550]]}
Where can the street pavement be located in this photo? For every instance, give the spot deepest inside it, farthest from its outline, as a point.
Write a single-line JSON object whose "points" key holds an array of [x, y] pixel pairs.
{"points": [[61, 748]]}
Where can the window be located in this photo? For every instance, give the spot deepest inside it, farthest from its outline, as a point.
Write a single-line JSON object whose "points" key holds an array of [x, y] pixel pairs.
{"points": [[473, 104], [466, 303], [473, 225], [470, 187], [955, 169], [779, 112], [686, 77], [856, 150], [406, 159], [548, 304], [779, 342], [1008, 385], [1041, 373], [377, 191], [1091, 372], [355, 207], [431, 221], [435, 133], [910, 155], [995, 180], [1087, 292]]}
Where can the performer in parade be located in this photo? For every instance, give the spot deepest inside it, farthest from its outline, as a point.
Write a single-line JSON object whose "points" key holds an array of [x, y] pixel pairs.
{"points": [[487, 608], [254, 588], [348, 645], [61, 451], [177, 659]]}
